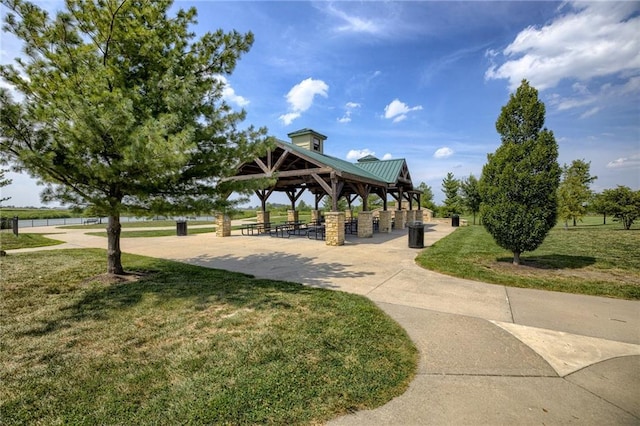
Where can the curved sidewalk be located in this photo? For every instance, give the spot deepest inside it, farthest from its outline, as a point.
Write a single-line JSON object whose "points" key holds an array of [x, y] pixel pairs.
{"points": [[489, 354]]}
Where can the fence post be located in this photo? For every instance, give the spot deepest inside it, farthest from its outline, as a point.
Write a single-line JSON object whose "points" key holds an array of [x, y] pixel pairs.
{"points": [[15, 226]]}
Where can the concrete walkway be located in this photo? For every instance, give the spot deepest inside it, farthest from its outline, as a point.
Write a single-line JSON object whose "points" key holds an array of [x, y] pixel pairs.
{"points": [[489, 354]]}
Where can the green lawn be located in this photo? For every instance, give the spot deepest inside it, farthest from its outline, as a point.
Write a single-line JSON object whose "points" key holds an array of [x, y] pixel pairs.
{"points": [[156, 232], [8, 241], [590, 258], [184, 344], [140, 224]]}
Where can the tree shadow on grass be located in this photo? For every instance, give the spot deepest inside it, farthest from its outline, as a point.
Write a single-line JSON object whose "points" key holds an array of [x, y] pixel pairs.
{"points": [[206, 280], [553, 261]]}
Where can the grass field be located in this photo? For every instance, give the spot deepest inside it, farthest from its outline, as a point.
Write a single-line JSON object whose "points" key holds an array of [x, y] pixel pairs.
{"points": [[156, 232], [590, 258], [180, 344], [8, 241], [35, 213]]}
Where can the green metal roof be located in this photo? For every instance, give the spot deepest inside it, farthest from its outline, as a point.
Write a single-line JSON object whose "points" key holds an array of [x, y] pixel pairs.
{"points": [[386, 171]]}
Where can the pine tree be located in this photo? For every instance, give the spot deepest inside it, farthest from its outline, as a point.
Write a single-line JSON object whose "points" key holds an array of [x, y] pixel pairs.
{"points": [[122, 109], [520, 180], [452, 201]]}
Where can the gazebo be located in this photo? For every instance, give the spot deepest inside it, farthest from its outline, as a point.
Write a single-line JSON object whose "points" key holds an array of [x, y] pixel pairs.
{"points": [[301, 165]]}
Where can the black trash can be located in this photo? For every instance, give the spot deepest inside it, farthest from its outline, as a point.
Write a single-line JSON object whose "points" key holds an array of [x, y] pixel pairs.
{"points": [[416, 235], [455, 220], [181, 227]]}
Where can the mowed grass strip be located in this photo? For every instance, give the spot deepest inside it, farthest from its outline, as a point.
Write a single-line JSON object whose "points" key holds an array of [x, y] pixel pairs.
{"points": [[9, 241], [180, 344], [588, 259], [156, 232], [138, 224]]}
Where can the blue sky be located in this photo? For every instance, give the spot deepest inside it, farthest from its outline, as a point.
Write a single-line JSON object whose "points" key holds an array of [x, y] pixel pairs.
{"points": [[425, 81]]}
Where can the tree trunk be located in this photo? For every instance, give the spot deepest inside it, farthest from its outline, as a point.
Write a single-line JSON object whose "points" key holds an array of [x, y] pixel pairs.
{"points": [[604, 219], [516, 258], [114, 255], [574, 221]]}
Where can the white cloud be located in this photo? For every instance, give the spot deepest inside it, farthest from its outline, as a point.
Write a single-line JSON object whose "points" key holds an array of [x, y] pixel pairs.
{"points": [[591, 40], [624, 162], [387, 156], [443, 152], [356, 154], [602, 96], [397, 110], [229, 94], [349, 107], [301, 96], [353, 23]]}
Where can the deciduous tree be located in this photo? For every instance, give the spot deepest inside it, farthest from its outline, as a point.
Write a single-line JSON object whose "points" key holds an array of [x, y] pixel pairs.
{"points": [[470, 195], [574, 192], [624, 204], [121, 108], [426, 198], [520, 180]]}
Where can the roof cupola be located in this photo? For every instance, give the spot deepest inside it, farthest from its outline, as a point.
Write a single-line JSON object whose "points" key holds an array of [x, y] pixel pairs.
{"points": [[308, 139]]}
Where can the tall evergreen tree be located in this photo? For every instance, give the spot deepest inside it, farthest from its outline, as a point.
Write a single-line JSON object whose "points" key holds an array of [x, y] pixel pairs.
{"points": [[520, 180], [122, 109], [574, 192], [470, 194], [452, 201], [4, 182]]}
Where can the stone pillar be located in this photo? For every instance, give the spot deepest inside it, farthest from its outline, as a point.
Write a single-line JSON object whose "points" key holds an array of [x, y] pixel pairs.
{"points": [[365, 224], [334, 228], [385, 221], [263, 217], [401, 219], [315, 216], [348, 214], [411, 216], [223, 228], [427, 215], [292, 215]]}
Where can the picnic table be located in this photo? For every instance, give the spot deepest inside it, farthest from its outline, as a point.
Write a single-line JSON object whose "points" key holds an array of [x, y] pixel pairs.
{"points": [[286, 229], [255, 228], [316, 232]]}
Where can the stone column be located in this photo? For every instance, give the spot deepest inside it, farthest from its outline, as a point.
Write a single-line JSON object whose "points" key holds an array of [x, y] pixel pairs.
{"points": [[385, 221], [411, 216], [263, 217], [334, 228], [401, 219], [292, 215], [427, 215], [223, 222], [365, 224], [315, 216]]}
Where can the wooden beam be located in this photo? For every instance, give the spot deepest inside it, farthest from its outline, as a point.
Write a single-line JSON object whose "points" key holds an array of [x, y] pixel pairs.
{"points": [[262, 165], [322, 183], [286, 173], [280, 160]]}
